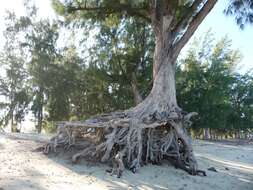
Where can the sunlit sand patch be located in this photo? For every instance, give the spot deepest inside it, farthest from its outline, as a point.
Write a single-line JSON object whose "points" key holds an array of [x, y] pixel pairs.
{"points": [[232, 164]]}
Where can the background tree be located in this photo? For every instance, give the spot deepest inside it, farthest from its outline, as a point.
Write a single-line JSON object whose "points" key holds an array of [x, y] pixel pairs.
{"points": [[65, 84], [40, 42], [240, 116], [205, 79], [121, 59], [13, 84]]}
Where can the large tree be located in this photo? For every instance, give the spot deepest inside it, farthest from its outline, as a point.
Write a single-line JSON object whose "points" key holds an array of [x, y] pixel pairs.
{"points": [[155, 128]]}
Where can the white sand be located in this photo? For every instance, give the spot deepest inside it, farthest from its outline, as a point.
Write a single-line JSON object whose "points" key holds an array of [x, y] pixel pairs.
{"points": [[23, 169]]}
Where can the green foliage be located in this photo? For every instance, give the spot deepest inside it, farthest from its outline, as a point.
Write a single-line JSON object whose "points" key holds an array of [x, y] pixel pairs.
{"points": [[62, 84], [100, 10], [49, 126], [36, 40], [119, 52], [41, 44], [242, 10], [241, 99], [13, 83], [208, 84]]}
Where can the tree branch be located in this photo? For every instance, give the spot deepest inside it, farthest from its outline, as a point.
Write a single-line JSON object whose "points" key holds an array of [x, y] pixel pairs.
{"points": [[186, 17], [118, 8], [192, 27], [159, 9]]}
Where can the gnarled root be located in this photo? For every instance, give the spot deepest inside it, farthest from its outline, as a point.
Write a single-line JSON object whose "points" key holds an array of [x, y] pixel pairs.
{"points": [[117, 164], [129, 140]]}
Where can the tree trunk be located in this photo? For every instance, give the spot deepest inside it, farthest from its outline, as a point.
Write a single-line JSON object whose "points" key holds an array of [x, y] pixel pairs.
{"points": [[136, 93], [13, 127], [40, 118], [206, 133], [40, 111], [162, 98], [238, 133]]}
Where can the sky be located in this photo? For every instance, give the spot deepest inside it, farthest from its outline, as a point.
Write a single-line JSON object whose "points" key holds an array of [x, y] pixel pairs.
{"points": [[219, 24], [222, 25]]}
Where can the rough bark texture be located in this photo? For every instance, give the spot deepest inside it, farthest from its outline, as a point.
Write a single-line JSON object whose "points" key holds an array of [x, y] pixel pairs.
{"points": [[155, 129], [206, 133], [40, 111], [136, 92]]}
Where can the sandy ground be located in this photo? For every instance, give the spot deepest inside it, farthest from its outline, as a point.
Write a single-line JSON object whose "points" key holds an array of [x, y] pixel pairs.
{"points": [[23, 169]]}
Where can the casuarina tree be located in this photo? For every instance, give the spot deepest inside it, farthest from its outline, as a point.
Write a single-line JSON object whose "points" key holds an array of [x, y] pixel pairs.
{"points": [[155, 129]]}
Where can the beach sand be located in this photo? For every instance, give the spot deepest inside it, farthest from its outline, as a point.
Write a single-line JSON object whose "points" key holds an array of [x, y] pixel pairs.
{"points": [[21, 168]]}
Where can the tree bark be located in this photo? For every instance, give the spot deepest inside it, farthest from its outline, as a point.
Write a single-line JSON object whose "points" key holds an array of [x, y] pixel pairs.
{"points": [[206, 133], [40, 111], [13, 128], [40, 118], [136, 92]]}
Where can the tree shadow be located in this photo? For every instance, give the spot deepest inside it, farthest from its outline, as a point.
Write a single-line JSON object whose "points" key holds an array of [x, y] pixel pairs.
{"points": [[27, 137], [155, 177], [145, 178], [22, 182]]}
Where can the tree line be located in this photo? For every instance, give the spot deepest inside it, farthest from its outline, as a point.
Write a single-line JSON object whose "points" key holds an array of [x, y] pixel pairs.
{"points": [[57, 83]]}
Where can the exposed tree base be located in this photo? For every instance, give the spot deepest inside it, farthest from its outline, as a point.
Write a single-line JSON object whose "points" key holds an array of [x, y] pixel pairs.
{"points": [[130, 139]]}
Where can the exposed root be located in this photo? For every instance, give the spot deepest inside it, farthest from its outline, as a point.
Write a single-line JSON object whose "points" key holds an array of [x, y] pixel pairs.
{"points": [[129, 141], [117, 164]]}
